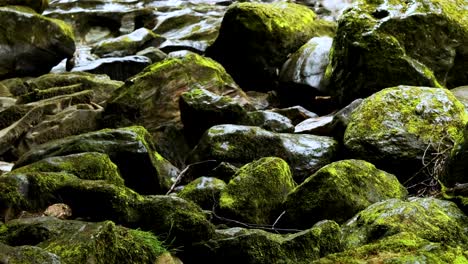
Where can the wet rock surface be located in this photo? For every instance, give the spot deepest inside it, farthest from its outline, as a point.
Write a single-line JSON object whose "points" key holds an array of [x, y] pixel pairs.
{"points": [[213, 131]]}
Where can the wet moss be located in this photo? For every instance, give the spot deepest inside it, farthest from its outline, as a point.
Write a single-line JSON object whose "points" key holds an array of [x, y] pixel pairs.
{"points": [[431, 219], [401, 248], [338, 191], [239, 245], [381, 44], [84, 242], [88, 166], [204, 191], [255, 193], [416, 120]]}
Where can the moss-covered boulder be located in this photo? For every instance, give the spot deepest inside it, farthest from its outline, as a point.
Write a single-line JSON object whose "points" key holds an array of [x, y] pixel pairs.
{"points": [[83, 242], [204, 191], [400, 248], [37, 5], [151, 98], [338, 191], [32, 192], [87, 166], [239, 245], [32, 44], [381, 44], [131, 149], [256, 38], [201, 109], [27, 254], [404, 127], [243, 144], [257, 190], [172, 218], [427, 218], [128, 44]]}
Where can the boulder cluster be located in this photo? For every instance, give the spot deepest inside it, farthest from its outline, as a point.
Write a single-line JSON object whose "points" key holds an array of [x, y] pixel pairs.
{"points": [[216, 131]]}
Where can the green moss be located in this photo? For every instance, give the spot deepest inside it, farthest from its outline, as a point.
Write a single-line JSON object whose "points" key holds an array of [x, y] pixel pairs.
{"points": [[428, 218], [204, 191], [382, 44], [89, 166], [401, 248], [257, 190], [338, 191], [422, 119], [239, 245]]}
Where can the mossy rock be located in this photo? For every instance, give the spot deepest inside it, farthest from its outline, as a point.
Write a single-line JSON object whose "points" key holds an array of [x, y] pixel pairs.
{"points": [[27, 254], [128, 44], [173, 218], [201, 109], [256, 38], [338, 191], [239, 245], [151, 98], [204, 191], [381, 44], [402, 126], [427, 218], [87, 166], [101, 85], [84, 242], [400, 248], [37, 5], [240, 145], [30, 191], [257, 190], [130, 148], [43, 42]]}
